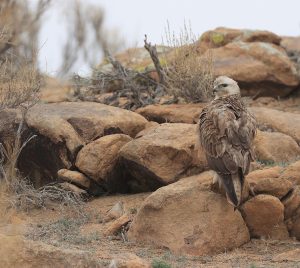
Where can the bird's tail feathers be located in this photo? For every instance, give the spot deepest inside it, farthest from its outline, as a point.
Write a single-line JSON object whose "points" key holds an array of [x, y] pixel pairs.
{"points": [[233, 184]]}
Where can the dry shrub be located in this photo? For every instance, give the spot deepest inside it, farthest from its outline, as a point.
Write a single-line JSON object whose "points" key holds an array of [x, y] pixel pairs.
{"points": [[188, 75], [20, 84]]}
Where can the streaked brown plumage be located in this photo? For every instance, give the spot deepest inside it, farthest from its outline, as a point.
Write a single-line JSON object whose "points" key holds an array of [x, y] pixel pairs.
{"points": [[226, 132]]}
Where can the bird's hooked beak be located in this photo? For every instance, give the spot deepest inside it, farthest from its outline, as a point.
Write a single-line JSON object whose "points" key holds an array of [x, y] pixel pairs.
{"points": [[215, 89]]}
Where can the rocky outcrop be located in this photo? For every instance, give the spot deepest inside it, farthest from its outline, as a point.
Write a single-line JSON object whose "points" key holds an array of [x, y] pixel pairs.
{"points": [[62, 129], [100, 161], [286, 149], [210, 224], [162, 156]]}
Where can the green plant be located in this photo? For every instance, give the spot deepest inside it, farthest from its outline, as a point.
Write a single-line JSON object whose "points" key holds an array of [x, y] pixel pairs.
{"points": [[157, 263]]}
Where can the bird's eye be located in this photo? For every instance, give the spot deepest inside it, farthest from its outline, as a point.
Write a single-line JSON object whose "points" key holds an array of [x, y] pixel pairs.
{"points": [[224, 85]]}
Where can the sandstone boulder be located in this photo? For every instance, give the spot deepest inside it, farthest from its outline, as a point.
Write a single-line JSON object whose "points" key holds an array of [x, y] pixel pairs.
{"points": [[222, 36], [188, 218], [292, 173], [64, 128], [100, 161], [264, 216], [271, 172], [295, 227], [291, 202], [162, 156], [291, 43], [257, 66], [80, 180], [284, 122], [286, 149], [277, 187], [173, 113]]}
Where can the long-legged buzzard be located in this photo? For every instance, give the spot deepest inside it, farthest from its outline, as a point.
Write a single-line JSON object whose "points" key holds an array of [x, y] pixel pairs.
{"points": [[227, 131]]}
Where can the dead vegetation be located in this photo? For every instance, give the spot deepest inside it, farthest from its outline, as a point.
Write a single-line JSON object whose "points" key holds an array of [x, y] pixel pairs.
{"points": [[188, 75], [182, 75]]}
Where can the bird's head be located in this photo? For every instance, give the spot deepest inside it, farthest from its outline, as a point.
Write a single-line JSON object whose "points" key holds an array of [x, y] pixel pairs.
{"points": [[225, 86]]}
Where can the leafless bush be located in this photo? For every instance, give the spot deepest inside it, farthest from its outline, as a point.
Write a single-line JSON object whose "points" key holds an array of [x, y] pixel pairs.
{"points": [[19, 27], [87, 37], [188, 75]]}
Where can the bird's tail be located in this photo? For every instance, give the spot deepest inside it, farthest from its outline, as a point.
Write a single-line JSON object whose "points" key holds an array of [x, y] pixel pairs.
{"points": [[233, 184]]}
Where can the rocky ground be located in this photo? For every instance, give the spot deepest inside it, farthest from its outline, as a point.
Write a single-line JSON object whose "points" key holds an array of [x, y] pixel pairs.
{"points": [[149, 194]]}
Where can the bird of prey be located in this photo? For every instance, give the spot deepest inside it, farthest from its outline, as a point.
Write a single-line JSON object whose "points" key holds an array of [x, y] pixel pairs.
{"points": [[226, 131]]}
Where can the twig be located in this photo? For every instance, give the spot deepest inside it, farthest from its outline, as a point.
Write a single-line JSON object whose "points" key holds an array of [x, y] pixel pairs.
{"points": [[153, 54]]}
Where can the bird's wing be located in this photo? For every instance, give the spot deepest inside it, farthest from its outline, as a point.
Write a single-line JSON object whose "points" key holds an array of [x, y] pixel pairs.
{"points": [[226, 134]]}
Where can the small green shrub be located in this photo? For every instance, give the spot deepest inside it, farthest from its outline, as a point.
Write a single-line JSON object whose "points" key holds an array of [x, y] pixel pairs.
{"points": [[157, 263]]}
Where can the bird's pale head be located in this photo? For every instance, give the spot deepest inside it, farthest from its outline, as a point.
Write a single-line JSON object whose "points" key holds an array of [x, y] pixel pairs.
{"points": [[225, 86]]}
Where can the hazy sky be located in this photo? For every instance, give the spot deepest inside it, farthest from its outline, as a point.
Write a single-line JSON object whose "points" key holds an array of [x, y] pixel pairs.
{"points": [[134, 18]]}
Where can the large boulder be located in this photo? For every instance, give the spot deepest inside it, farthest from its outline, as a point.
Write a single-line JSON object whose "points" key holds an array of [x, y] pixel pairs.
{"points": [[264, 215], [258, 67], [188, 218], [173, 113], [163, 155], [222, 36], [286, 149], [292, 173], [62, 129], [284, 122], [100, 161]]}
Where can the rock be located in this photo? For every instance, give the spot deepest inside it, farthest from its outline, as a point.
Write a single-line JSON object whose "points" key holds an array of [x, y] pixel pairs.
{"points": [[162, 156], [188, 218], [173, 113], [100, 161], [115, 212], [257, 66], [284, 122], [286, 148], [222, 36], [115, 226], [291, 43], [73, 188], [128, 260], [290, 255], [292, 173], [80, 180], [264, 216], [272, 172], [295, 227], [74, 177], [64, 128], [291, 202], [17, 252], [277, 187]]}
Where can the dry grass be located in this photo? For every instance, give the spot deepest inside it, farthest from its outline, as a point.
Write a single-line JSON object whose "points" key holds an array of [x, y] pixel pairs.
{"points": [[189, 75]]}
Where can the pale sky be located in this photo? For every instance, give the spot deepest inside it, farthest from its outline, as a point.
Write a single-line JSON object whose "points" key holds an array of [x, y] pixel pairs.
{"points": [[134, 18]]}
